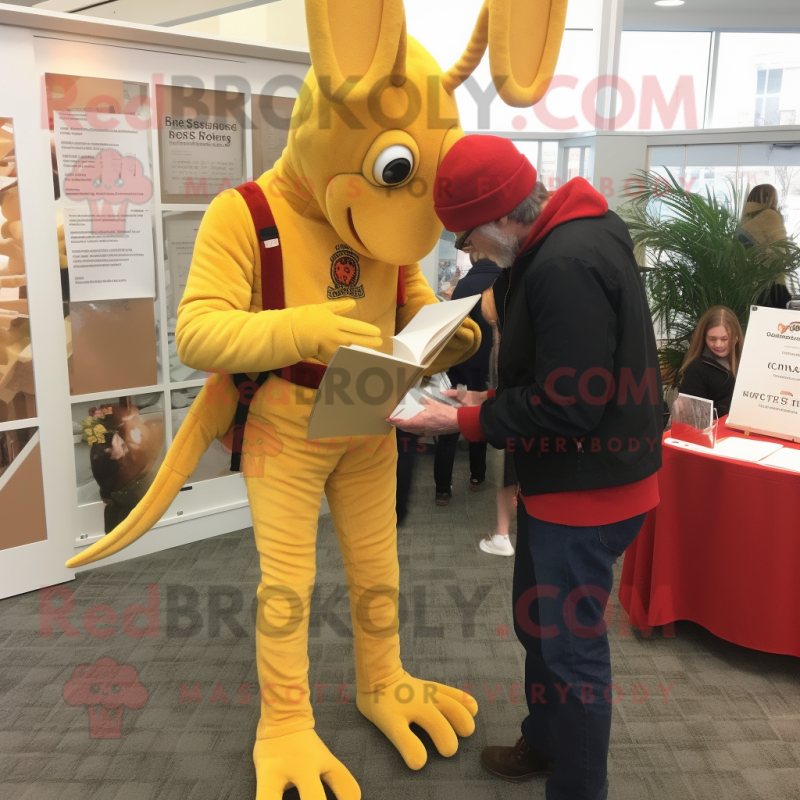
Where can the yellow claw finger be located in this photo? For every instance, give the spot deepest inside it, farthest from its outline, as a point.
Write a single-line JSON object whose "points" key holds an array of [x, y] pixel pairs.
{"points": [[342, 783], [439, 729], [456, 714], [460, 696]]}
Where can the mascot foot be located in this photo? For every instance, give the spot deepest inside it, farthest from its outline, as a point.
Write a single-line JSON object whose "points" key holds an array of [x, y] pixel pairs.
{"points": [[301, 760], [443, 712]]}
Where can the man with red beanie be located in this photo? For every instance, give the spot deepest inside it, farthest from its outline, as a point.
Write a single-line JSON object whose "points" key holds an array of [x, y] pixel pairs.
{"points": [[579, 405]]}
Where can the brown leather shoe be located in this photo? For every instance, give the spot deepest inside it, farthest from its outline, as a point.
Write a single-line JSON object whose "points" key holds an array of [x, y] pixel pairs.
{"points": [[518, 763], [443, 498]]}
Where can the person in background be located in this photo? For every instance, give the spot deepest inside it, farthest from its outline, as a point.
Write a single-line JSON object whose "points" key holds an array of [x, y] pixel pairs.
{"points": [[501, 470], [762, 224], [709, 368], [408, 445], [474, 374]]}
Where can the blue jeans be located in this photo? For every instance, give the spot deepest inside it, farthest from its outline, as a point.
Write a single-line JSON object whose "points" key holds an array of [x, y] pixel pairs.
{"points": [[562, 580]]}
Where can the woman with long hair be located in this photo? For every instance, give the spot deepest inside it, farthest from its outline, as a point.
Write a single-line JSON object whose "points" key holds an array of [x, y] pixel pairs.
{"points": [[712, 361], [762, 223]]}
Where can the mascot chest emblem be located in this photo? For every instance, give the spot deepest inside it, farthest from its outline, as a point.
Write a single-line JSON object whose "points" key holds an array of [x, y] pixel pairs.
{"points": [[345, 273]]}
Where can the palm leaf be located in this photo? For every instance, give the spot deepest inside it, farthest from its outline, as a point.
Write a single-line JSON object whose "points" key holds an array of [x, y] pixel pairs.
{"points": [[694, 258]]}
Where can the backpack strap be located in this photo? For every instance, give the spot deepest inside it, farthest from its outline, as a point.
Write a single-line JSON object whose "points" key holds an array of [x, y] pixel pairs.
{"points": [[273, 296], [401, 287]]}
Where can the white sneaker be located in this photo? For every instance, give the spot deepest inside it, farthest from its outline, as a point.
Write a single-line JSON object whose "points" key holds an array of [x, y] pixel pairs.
{"points": [[497, 545]]}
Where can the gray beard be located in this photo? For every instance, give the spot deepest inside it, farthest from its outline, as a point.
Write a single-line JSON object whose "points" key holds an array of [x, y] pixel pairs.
{"points": [[504, 248]]}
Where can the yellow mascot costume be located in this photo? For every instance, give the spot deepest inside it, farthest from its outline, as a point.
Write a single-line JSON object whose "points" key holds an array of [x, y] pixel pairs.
{"points": [[351, 204]]}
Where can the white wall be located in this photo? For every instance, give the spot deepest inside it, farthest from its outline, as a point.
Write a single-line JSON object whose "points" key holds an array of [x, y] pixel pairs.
{"points": [[282, 22], [617, 156]]}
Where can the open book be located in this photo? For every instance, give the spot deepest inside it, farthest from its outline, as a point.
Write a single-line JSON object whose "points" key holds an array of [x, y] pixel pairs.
{"points": [[362, 387]]}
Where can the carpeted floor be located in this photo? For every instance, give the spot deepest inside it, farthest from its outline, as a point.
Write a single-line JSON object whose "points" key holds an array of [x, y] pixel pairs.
{"points": [[730, 727]]}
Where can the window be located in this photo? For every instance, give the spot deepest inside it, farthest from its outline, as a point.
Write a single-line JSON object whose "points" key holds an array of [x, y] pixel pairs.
{"points": [[758, 80], [718, 167], [543, 156], [666, 73], [577, 162]]}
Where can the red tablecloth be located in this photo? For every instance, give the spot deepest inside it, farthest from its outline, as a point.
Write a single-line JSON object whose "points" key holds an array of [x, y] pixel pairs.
{"points": [[722, 550]]}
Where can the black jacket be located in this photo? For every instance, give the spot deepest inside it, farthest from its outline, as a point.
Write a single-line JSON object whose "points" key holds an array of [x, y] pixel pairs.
{"points": [[706, 377], [474, 372], [579, 400]]}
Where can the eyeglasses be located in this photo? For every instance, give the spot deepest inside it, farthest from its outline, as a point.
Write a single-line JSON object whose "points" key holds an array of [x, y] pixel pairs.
{"points": [[463, 240]]}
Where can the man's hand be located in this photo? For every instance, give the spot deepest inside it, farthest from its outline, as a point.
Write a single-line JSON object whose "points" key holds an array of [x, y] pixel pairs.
{"points": [[467, 398], [437, 420]]}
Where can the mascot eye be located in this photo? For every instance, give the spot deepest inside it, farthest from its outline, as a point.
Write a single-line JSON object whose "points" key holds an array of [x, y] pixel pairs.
{"points": [[95, 689], [116, 688], [393, 165]]}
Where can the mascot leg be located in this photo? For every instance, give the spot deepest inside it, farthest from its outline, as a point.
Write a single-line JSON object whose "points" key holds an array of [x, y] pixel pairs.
{"points": [[361, 493], [285, 492]]}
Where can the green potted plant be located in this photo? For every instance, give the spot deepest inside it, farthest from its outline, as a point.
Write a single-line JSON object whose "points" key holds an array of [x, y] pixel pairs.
{"points": [[694, 259]]}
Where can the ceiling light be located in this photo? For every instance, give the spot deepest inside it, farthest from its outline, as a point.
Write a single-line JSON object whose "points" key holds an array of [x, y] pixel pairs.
{"points": [[670, 2]]}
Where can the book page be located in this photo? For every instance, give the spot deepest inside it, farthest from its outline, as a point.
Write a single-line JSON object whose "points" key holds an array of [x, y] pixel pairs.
{"points": [[360, 390], [431, 325]]}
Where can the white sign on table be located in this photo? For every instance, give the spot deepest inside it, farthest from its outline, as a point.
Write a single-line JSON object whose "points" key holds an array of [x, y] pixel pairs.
{"points": [[766, 399]]}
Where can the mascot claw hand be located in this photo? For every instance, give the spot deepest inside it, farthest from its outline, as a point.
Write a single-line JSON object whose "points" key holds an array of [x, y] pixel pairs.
{"points": [[320, 330], [301, 760], [351, 200], [443, 712]]}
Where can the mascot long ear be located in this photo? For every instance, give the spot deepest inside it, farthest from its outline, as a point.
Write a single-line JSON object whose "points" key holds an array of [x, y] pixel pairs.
{"points": [[524, 39], [357, 42]]}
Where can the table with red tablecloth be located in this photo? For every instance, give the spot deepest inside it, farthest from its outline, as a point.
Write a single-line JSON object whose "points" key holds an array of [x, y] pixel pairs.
{"points": [[722, 550]]}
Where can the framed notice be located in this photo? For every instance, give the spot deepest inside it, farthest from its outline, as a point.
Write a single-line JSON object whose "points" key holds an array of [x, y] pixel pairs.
{"points": [[767, 395], [272, 118], [202, 143]]}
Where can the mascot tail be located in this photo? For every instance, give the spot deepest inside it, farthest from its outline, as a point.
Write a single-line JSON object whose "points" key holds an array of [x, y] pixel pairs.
{"points": [[209, 418]]}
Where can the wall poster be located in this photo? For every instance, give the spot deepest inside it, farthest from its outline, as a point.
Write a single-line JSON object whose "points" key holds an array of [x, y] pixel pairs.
{"points": [[102, 178], [180, 233], [17, 391], [271, 125], [119, 446], [21, 484], [201, 142]]}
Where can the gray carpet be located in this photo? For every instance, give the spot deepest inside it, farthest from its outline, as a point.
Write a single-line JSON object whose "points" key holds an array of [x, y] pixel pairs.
{"points": [[730, 728]]}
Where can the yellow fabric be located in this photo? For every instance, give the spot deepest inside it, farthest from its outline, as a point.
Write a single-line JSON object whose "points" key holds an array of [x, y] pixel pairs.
{"points": [[524, 40], [326, 199]]}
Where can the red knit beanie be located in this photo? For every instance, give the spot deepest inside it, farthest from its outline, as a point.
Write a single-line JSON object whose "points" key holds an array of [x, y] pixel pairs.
{"points": [[481, 179]]}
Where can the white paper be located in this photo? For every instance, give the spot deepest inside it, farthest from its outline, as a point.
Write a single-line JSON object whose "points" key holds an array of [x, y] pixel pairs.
{"points": [[201, 156], [745, 449], [696, 448], [733, 448], [77, 139], [110, 266], [785, 458], [180, 233], [410, 406], [766, 398]]}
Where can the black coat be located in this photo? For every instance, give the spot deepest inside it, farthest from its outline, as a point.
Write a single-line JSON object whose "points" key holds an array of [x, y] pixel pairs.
{"points": [[706, 377], [474, 372], [577, 341]]}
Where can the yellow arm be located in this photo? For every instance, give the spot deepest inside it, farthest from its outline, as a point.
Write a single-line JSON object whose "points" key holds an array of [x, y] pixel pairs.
{"points": [[216, 329], [467, 338]]}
